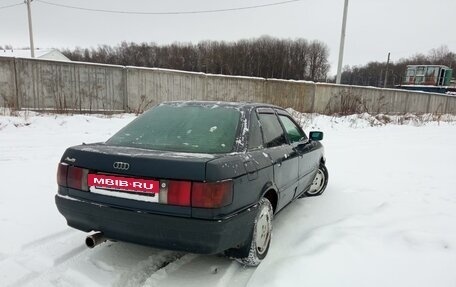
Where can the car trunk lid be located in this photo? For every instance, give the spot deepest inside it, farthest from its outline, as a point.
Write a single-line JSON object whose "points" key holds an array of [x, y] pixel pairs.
{"points": [[138, 162]]}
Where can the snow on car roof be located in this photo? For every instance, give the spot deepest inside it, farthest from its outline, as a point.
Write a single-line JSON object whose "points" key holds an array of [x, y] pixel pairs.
{"points": [[221, 103]]}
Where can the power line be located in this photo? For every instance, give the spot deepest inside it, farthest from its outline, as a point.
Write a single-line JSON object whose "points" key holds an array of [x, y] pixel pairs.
{"points": [[12, 5], [168, 12]]}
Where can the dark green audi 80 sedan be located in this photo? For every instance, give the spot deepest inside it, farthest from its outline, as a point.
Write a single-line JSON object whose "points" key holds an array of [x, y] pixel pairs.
{"points": [[202, 177]]}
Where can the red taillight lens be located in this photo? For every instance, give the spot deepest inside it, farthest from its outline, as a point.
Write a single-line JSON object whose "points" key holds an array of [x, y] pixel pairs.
{"points": [[77, 178], [212, 195], [62, 174], [179, 192]]}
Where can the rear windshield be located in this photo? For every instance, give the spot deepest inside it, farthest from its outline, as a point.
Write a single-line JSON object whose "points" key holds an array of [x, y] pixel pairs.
{"points": [[182, 128]]}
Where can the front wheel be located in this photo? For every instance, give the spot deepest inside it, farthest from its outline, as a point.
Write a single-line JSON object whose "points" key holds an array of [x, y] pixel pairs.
{"points": [[261, 238], [320, 182]]}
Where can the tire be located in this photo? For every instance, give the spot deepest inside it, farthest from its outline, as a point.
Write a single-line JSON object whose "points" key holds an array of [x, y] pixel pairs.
{"points": [[319, 182], [261, 236]]}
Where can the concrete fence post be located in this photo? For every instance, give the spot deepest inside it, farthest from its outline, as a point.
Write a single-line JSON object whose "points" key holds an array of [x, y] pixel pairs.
{"points": [[16, 91], [125, 88]]}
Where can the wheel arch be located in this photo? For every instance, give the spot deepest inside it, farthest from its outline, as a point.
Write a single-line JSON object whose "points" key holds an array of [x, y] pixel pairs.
{"points": [[270, 192]]}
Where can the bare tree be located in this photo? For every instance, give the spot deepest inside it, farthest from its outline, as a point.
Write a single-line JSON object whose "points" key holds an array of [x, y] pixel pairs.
{"points": [[266, 57]]}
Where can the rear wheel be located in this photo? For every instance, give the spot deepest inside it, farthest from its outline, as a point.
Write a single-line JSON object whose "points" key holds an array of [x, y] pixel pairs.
{"points": [[261, 238], [319, 182]]}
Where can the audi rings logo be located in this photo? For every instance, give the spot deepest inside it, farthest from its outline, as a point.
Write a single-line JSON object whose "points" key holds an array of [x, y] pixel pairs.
{"points": [[121, 165]]}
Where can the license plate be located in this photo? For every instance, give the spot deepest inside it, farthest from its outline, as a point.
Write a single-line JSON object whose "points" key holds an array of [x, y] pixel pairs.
{"points": [[129, 184]]}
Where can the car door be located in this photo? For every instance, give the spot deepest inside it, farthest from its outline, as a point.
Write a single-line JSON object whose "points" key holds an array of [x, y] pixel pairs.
{"points": [[308, 158], [282, 154]]}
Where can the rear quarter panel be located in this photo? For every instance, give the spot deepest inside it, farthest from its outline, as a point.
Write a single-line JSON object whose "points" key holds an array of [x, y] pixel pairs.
{"points": [[247, 187]]}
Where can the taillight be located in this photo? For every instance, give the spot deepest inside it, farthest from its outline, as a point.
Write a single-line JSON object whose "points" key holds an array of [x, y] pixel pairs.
{"points": [[77, 178], [179, 192], [196, 194], [73, 177], [212, 195], [62, 174]]}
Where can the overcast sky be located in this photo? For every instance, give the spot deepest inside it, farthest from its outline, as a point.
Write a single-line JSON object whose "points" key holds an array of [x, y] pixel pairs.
{"points": [[374, 27]]}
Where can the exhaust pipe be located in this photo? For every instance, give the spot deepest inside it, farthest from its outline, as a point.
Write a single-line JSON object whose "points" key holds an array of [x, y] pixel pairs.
{"points": [[95, 239]]}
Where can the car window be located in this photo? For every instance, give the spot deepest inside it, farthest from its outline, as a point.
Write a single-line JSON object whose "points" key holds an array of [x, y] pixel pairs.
{"points": [[272, 130], [182, 128], [294, 133], [255, 136]]}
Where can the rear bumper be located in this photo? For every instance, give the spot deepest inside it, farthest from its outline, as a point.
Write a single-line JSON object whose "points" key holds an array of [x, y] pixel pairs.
{"points": [[161, 231]]}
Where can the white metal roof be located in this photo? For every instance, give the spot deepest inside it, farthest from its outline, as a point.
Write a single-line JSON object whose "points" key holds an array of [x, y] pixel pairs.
{"points": [[51, 54]]}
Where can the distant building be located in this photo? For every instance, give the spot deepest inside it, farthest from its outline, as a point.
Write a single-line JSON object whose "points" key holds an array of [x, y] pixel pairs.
{"points": [[47, 54], [431, 75], [428, 78]]}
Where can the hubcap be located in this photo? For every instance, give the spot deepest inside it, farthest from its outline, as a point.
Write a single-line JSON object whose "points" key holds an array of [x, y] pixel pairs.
{"points": [[263, 230], [317, 183]]}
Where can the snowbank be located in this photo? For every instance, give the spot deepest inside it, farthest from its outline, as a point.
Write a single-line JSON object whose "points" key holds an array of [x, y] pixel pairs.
{"points": [[387, 218]]}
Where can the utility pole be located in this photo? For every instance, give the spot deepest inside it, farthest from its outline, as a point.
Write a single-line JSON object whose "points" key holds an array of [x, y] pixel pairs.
{"points": [[29, 12], [386, 71], [342, 42]]}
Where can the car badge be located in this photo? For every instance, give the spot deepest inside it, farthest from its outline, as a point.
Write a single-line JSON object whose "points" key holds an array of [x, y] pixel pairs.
{"points": [[70, 159], [121, 165]]}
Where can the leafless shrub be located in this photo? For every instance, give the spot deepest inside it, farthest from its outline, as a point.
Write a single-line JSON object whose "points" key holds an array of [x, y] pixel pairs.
{"points": [[438, 118], [384, 119], [61, 104], [380, 106], [9, 107], [351, 104], [346, 103], [143, 105], [439, 110]]}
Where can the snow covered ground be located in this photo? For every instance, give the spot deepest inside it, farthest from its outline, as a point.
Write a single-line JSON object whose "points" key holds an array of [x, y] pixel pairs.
{"points": [[387, 218]]}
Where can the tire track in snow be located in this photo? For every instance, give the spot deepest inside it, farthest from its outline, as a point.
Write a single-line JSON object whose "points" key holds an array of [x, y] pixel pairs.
{"points": [[64, 260], [160, 274], [45, 239], [39, 256], [236, 275], [201, 271], [95, 267], [144, 269]]}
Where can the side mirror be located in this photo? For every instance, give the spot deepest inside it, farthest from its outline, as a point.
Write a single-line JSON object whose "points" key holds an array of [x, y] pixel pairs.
{"points": [[316, 136]]}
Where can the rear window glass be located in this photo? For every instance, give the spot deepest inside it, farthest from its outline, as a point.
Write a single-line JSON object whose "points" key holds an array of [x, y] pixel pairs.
{"points": [[272, 130], [255, 137], [182, 128]]}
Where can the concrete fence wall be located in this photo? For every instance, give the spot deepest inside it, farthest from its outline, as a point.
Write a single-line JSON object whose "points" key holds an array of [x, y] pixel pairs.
{"points": [[148, 86], [54, 85], [66, 85]]}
